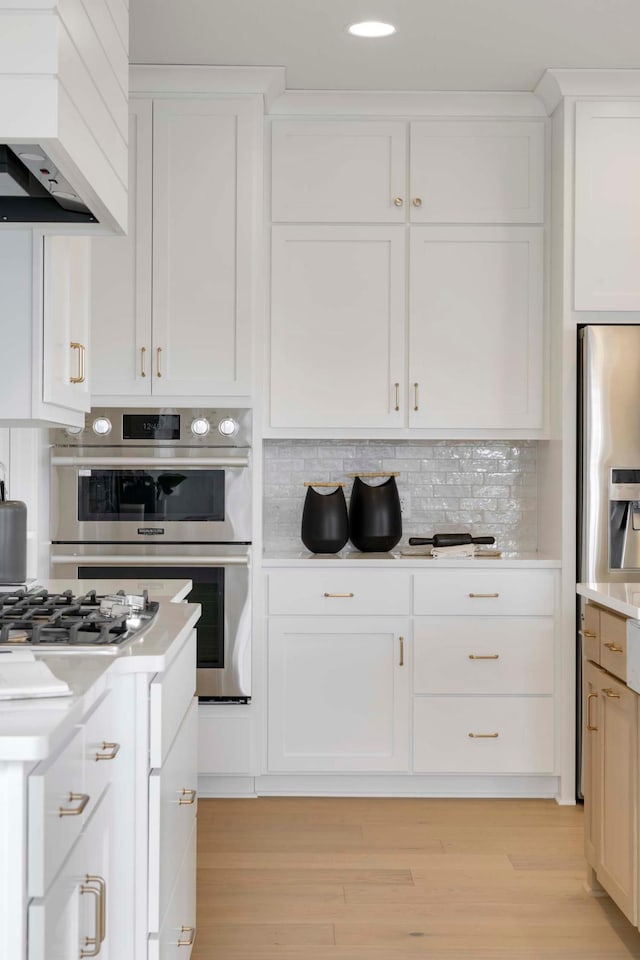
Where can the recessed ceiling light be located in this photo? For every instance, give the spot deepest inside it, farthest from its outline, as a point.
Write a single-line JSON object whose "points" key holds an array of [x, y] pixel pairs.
{"points": [[372, 29]]}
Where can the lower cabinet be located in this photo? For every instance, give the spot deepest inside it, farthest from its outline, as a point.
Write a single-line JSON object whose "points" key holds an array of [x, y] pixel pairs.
{"points": [[339, 694], [178, 930]]}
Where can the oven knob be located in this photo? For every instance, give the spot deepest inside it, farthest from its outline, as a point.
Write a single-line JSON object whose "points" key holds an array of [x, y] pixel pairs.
{"points": [[228, 427], [200, 427], [73, 431], [102, 426]]}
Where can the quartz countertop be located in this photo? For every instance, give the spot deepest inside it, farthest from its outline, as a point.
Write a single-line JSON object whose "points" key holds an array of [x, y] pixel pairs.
{"points": [[302, 558], [175, 590], [622, 598]]}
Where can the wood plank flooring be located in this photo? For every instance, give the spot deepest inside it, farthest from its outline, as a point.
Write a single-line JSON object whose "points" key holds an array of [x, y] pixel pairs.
{"points": [[309, 878]]}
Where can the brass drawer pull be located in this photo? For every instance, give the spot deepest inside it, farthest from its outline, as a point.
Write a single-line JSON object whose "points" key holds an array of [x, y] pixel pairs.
{"points": [[143, 351], [102, 884], [398, 201], [347, 596], [192, 935], [397, 389], [80, 348], [611, 695], [158, 358], [484, 596], [401, 652], [111, 751], [187, 796], [417, 201], [415, 397], [484, 736], [484, 656], [614, 647], [83, 799], [590, 726], [93, 942], [589, 635]]}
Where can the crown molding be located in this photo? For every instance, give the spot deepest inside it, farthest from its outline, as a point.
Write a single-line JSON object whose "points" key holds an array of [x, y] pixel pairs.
{"points": [[154, 79], [412, 103], [557, 83]]}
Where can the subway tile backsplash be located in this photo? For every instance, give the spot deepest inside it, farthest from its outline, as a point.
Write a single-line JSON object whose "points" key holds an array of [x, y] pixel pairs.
{"points": [[480, 487]]}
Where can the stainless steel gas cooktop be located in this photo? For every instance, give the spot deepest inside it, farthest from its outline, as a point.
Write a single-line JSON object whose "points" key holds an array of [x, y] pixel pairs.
{"points": [[62, 621]]}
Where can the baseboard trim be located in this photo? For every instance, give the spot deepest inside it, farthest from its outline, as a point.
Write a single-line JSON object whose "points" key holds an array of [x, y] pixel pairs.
{"points": [[225, 786]]}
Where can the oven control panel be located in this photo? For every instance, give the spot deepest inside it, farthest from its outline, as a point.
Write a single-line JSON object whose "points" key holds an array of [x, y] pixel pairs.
{"points": [[159, 427]]}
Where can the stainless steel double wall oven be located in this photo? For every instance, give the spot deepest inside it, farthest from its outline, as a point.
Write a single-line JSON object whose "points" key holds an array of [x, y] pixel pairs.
{"points": [[163, 494]]}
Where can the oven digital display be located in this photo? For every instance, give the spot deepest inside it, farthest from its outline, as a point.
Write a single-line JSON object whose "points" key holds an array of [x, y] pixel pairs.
{"points": [[151, 426]]}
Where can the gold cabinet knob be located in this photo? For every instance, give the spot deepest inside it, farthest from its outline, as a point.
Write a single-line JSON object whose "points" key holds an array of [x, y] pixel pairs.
{"points": [[417, 202], [398, 201]]}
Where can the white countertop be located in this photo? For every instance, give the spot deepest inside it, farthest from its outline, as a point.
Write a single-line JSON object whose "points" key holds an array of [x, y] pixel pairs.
{"points": [[32, 729], [623, 598], [302, 558]]}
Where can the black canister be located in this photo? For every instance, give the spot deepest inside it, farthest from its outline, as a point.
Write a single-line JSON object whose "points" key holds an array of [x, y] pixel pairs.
{"points": [[375, 518], [325, 521], [13, 541]]}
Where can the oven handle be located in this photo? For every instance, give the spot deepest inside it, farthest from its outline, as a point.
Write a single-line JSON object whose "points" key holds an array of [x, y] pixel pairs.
{"points": [[154, 561], [150, 461]]}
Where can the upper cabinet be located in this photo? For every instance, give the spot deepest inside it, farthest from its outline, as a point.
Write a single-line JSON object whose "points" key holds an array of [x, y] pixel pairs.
{"points": [[607, 205], [466, 171], [179, 290]]}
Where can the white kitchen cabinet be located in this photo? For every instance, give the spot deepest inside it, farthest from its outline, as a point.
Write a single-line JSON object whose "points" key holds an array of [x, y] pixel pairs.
{"points": [[339, 694], [476, 328], [607, 206], [337, 327], [179, 291]]}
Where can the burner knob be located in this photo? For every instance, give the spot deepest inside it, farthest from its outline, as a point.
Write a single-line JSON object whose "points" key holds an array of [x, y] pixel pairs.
{"points": [[73, 431], [102, 426], [200, 427], [228, 427]]}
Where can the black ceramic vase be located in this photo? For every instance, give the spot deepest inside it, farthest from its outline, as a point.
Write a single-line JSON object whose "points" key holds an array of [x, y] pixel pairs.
{"points": [[375, 520], [325, 522]]}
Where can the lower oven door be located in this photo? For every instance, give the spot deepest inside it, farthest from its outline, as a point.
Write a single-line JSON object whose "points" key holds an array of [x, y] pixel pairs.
{"points": [[220, 585]]}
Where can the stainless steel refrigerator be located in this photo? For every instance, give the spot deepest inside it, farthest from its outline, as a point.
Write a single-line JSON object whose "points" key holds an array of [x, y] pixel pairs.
{"points": [[608, 467]]}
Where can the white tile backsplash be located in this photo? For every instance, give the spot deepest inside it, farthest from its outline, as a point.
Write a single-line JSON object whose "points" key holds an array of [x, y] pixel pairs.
{"points": [[484, 487]]}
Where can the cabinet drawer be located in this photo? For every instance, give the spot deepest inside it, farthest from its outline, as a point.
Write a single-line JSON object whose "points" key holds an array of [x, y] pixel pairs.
{"points": [[591, 632], [100, 749], [339, 592], [613, 644], [179, 926], [170, 695], [443, 741], [483, 655], [54, 920], [172, 812], [55, 785], [484, 592]]}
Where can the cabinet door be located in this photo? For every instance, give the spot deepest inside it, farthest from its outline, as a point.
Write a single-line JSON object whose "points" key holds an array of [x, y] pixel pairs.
{"points": [[337, 326], [607, 206], [338, 171], [591, 710], [476, 328], [338, 694], [617, 792], [481, 171], [66, 273], [121, 280], [205, 180]]}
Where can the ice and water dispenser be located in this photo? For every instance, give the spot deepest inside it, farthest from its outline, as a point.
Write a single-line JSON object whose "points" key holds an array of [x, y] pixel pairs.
{"points": [[624, 519]]}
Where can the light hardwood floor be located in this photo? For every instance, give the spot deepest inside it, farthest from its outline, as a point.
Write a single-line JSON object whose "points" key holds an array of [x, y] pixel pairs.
{"points": [[376, 879]]}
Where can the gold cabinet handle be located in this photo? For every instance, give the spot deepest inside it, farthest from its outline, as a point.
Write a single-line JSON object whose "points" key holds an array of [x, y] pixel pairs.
{"points": [[401, 652], [415, 396], [187, 796], [590, 726], [417, 201], [189, 941], [110, 751], [80, 348], [484, 736], [102, 886], [158, 357], [346, 596], [589, 635], [398, 201], [143, 352], [611, 695], [93, 942], [484, 656], [83, 799], [614, 647], [397, 390], [483, 596]]}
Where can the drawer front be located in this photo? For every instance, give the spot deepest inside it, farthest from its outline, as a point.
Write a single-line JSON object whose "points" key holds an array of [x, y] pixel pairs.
{"points": [[591, 632], [483, 655], [170, 696], [174, 942], [339, 592], [55, 786], [100, 750], [172, 813], [524, 741], [524, 593], [54, 921], [613, 644]]}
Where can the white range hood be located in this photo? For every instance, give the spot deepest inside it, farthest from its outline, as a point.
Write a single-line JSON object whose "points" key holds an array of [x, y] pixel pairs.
{"points": [[64, 114]]}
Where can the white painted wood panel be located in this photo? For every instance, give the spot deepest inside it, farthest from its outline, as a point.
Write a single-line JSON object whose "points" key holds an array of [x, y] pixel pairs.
{"points": [[476, 327], [339, 592], [442, 744], [484, 592], [477, 171], [28, 43], [338, 694], [204, 203], [180, 919], [483, 655], [170, 695], [337, 326], [224, 743], [607, 206], [121, 279], [338, 171], [119, 10]]}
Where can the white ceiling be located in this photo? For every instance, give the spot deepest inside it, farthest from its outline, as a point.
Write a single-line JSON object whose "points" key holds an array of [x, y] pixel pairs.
{"points": [[440, 44]]}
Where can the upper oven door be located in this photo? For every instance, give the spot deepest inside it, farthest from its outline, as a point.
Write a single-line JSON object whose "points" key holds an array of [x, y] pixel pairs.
{"points": [[151, 496]]}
